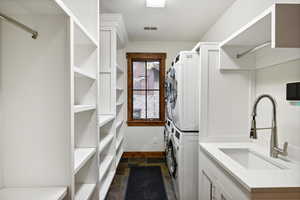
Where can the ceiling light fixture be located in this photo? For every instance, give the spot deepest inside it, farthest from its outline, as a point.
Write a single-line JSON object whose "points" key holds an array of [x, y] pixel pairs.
{"points": [[155, 3]]}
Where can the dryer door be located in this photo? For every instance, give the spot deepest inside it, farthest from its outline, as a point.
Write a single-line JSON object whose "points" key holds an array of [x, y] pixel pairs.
{"points": [[171, 159], [172, 99], [168, 91], [166, 137]]}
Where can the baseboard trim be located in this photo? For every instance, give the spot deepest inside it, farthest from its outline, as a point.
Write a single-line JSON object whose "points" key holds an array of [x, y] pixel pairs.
{"points": [[156, 154]]}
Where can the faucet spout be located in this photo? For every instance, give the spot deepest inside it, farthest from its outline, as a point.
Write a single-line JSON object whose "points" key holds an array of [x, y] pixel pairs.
{"points": [[253, 132], [274, 150]]}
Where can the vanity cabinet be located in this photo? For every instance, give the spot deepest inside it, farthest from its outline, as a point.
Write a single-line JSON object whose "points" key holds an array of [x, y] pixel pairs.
{"points": [[206, 192], [216, 183], [210, 189]]}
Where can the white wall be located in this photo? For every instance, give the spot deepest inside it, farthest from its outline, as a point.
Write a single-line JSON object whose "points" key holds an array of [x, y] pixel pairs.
{"points": [[151, 138], [270, 80]]}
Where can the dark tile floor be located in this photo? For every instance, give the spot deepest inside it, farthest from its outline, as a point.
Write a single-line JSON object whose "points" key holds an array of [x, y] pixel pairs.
{"points": [[118, 187]]}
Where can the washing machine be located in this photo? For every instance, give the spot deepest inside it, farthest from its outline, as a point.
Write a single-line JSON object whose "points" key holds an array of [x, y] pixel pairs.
{"points": [[182, 162], [184, 97]]}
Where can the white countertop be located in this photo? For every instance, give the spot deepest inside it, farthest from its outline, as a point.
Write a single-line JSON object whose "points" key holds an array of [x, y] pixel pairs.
{"points": [[255, 179]]}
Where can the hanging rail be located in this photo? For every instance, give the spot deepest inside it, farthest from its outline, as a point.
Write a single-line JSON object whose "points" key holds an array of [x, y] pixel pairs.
{"points": [[20, 25], [254, 49]]}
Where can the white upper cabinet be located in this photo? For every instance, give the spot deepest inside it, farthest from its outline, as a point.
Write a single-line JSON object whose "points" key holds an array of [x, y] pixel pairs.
{"points": [[271, 38]]}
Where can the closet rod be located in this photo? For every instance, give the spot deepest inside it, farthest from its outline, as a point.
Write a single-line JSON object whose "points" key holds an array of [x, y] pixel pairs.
{"points": [[254, 49], [20, 25]]}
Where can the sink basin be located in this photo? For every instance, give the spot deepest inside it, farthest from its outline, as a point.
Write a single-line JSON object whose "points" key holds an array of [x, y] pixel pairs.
{"points": [[251, 160]]}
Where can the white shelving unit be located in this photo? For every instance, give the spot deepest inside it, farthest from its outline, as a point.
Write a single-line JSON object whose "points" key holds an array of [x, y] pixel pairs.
{"points": [[265, 41], [112, 38], [56, 77]]}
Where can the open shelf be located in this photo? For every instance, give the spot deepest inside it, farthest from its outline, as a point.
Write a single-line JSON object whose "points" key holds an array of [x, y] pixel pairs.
{"points": [[82, 74], [85, 53], [84, 191], [119, 156], [264, 41], [85, 34], [81, 156], [85, 129], [119, 70], [84, 108], [49, 193], [105, 165], [85, 91], [104, 142], [120, 89], [119, 124], [104, 187], [104, 119], [119, 141], [85, 16], [119, 104]]}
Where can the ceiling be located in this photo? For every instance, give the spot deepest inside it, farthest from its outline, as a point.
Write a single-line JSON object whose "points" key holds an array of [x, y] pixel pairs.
{"points": [[181, 20]]}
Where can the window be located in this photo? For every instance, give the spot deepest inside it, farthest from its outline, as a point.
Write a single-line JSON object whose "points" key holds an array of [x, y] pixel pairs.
{"points": [[146, 77]]}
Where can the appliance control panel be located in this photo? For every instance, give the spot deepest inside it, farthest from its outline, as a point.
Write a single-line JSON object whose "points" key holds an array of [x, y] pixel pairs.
{"points": [[293, 91]]}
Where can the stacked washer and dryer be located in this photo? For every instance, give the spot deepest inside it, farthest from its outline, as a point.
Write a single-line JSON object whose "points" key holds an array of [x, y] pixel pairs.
{"points": [[182, 126]]}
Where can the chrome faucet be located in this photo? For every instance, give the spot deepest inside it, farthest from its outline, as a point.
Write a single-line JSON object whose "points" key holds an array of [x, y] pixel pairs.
{"points": [[274, 149]]}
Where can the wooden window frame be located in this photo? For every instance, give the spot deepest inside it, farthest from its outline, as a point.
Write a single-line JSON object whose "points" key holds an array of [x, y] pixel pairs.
{"points": [[161, 57]]}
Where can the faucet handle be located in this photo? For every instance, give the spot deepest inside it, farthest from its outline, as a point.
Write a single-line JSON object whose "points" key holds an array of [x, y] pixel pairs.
{"points": [[283, 151]]}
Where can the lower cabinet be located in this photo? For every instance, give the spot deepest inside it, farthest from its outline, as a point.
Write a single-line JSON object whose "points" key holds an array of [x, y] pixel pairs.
{"points": [[206, 192], [215, 183], [210, 189]]}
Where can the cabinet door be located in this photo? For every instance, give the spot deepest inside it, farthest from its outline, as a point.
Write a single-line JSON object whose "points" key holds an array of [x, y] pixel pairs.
{"points": [[222, 194], [206, 187]]}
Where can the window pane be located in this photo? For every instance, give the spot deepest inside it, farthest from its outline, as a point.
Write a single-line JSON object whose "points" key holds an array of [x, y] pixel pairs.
{"points": [[153, 104], [139, 79], [153, 75], [139, 104]]}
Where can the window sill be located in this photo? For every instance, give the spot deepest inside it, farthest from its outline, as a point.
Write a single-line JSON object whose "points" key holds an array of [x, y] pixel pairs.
{"points": [[146, 123]]}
